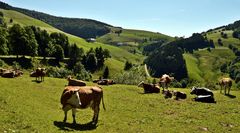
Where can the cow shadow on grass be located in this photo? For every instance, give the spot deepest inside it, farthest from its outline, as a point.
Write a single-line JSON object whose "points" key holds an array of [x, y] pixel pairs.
{"points": [[71, 127], [230, 96], [36, 81]]}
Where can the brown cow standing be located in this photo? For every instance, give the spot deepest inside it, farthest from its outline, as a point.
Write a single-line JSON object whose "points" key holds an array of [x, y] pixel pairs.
{"points": [[75, 82], [39, 74], [225, 83], [74, 97], [149, 88], [165, 81]]}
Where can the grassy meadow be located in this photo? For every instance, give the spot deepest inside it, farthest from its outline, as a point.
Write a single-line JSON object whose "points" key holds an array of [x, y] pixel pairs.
{"points": [[25, 20], [132, 37], [215, 35], [204, 66], [119, 55], [27, 106]]}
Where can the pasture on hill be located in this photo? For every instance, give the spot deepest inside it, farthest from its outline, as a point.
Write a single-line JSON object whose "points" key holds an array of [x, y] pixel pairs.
{"points": [[204, 66], [132, 37], [216, 34], [118, 55], [25, 20], [27, 106]]}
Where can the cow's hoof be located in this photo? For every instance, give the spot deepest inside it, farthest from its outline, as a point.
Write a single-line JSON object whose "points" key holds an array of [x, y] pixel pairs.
{"points": [[74, 123], [94, 123]]}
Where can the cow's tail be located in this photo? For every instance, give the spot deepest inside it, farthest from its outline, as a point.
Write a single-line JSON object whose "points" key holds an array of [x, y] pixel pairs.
{"points": [[103, 102], [102, 98]]}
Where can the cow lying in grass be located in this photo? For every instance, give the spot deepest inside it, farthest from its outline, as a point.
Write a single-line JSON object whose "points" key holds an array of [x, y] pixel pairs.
{"points": [[10, 73], [203, 95], [167, 93], [75, 82], [149, 88], [205, 98], [2, 70], [74, 97], [225, 83], [39, 73], [165, 80], [106, 82], [179, 95], [201, 91]]}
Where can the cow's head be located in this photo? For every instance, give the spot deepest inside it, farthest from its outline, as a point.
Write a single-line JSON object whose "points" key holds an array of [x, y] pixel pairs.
{"points": [[74, 100], [69, 77], [141, 84], [193, 90]]}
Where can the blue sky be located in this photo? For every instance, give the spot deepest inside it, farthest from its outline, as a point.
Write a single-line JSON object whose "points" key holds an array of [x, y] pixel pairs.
{"points": [[171, 17]]}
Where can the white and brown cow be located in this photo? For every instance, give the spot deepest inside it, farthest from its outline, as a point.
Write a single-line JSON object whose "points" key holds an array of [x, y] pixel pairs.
{"points": [[76, 97], [225, 83], [9, 74], [165, 80], [75, 82]]}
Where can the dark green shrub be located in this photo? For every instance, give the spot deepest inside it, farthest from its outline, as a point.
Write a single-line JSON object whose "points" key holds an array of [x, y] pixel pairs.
{"points": [[131, 77], [57, 72]]}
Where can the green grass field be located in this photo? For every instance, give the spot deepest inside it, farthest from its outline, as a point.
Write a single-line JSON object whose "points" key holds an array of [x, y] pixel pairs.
{"points": [[132, 37], [215, 35], [204, 66], [27, 106], [25, 20]]}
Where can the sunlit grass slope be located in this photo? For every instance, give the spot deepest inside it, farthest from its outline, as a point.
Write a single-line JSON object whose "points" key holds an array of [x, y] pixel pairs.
{"points": [[132, 37], [204, 65], [24, 20], [27, 106]]}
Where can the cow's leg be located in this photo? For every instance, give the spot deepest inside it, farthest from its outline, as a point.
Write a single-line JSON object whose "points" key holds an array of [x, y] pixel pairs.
{"points": [[225, 89], [220, 88], [229, 89], [74, 110], [95, 116], [65, 109], [163, 85]]}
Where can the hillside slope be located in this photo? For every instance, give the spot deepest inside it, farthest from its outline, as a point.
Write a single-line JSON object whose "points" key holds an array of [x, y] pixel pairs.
{"points": [[132, 37], [118, 54], [85, 28], [204, 65]]}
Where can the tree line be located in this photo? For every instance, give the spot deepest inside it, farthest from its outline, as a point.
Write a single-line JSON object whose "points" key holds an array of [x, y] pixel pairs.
{"points": [[32, 41], [84, 28]]}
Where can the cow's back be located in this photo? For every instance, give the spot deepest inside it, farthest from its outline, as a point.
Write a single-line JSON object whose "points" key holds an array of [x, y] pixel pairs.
{"points": [[74, 82]]}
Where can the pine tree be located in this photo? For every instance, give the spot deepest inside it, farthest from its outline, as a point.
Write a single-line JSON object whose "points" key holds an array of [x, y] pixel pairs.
{"points": [[106, 73]]}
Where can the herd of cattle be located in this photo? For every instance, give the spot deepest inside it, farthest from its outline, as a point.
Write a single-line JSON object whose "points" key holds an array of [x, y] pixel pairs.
{"points": [[203, 94], [76, 95]]}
